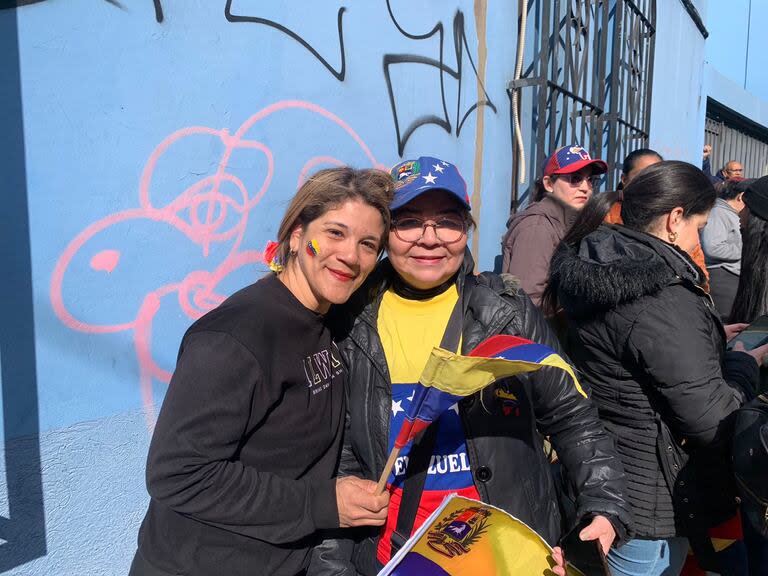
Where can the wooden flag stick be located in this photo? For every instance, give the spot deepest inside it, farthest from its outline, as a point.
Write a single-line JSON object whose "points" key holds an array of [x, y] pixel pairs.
{"points": [[382, 485]]}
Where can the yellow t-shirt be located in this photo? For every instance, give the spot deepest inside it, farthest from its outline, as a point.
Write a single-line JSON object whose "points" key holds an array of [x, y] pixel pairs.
{"points": [[409, 329]]}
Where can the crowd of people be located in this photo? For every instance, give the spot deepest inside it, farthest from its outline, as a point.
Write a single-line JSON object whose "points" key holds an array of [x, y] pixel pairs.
{"points": [[287, 398]]}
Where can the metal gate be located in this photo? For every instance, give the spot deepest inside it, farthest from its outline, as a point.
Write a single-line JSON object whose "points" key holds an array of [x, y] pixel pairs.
{"points": [[590, 73], [729, 143]]}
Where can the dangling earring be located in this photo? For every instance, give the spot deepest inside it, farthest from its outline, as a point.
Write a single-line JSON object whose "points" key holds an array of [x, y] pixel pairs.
{"points": [[672, 237]]}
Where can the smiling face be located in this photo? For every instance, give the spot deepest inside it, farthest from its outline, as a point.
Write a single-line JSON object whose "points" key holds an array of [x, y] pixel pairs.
{"points": [[346, 246], [572, 189], [428, 261]]}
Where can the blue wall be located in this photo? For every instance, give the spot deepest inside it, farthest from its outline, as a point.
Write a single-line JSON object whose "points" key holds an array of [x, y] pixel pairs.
{"points": [[149, 151], [678, 104]]}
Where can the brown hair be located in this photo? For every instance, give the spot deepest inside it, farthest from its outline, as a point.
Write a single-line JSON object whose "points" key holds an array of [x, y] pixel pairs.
{"points": [[327, 190]]}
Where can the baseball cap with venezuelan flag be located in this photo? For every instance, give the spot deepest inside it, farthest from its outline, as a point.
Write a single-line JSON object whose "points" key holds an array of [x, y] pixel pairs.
{"points": [[414, 177], [569, 159]]}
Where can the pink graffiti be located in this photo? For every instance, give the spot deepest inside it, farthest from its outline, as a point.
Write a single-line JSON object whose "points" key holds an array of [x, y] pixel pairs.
{"points": [[207, 210], [106, 260]]}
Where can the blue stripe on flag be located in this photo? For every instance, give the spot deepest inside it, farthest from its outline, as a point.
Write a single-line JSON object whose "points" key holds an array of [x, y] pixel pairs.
{"points": [[526, 352]]}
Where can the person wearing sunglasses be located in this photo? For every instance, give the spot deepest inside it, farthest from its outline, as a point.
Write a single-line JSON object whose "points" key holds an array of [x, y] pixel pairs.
{"points": [[570, 177], [488, 446]]}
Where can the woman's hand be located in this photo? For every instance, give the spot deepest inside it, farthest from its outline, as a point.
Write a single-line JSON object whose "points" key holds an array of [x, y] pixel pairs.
{"points": [[599, 529], [733, 330], [359, 503], [557, 556], [759, 353]]}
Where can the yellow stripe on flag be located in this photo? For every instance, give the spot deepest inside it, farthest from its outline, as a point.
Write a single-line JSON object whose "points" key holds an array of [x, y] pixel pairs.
{"points": [[464, 375]]}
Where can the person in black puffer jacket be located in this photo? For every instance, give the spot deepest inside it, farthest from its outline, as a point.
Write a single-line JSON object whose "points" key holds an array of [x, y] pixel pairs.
{"points": [[490, 446], [648, 341]]}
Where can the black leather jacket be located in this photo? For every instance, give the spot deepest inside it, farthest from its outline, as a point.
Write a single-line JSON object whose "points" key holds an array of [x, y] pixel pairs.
{"points": [[508, 462]]}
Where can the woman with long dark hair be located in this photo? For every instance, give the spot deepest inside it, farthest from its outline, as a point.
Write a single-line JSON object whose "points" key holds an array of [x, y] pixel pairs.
{"points": [[751, 298], [648, 340]]}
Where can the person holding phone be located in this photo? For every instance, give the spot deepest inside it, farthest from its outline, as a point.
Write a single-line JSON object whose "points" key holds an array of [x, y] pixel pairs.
{"points": [[649, 342]]}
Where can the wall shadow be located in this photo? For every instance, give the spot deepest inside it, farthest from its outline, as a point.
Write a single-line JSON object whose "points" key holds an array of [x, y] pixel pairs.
{"points": [[24, 529]]}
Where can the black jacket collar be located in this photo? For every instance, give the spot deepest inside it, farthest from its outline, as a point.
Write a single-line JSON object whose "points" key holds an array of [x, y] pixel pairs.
{"points": [[614, 265]]}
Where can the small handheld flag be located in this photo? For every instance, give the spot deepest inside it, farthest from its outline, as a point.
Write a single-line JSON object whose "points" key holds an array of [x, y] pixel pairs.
{"points": [[448, 377]]}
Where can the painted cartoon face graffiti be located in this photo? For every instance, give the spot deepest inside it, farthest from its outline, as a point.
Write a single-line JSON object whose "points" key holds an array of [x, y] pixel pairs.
{"points": [[207, 215]]}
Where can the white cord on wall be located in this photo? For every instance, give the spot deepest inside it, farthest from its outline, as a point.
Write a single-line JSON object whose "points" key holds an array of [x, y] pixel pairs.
{"points": [[523, 6]]}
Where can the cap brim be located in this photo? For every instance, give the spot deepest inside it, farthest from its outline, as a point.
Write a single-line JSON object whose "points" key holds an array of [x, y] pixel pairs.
{"points": [[599, 166], [404, 199]]}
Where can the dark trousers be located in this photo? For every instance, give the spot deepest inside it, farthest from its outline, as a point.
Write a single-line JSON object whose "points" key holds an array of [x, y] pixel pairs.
{"points": [[722, 288]]}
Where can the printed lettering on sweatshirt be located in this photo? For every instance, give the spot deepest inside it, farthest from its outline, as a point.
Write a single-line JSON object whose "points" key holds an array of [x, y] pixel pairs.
{"points": [[321, 368]]}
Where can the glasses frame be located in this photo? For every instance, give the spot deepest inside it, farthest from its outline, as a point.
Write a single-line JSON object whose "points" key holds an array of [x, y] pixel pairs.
{"points": [[435, 226], [593, 179]]}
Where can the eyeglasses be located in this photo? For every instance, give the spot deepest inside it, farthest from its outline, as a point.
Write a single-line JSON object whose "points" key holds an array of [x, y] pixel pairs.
{"points": [[447, 229], [575, 179]]}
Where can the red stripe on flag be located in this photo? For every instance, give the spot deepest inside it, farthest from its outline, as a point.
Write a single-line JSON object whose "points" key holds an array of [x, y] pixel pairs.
{"points": [[494, 345]]}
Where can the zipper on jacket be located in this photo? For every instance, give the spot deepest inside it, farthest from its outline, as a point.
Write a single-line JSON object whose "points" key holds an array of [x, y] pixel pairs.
{"points": [[384, 374]]}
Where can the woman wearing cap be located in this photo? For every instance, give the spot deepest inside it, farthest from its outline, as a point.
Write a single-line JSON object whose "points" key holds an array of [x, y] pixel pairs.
{"points": [[647, 339], [480, 450], [570, 176], [241, 468]]}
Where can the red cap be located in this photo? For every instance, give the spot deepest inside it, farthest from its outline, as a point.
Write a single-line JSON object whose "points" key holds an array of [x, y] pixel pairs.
{"points": [[569, 159]]}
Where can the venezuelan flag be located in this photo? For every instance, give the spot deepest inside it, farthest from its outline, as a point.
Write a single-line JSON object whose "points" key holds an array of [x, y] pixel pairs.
{"points": [[313, 248], [449, 377], [467, 537]]}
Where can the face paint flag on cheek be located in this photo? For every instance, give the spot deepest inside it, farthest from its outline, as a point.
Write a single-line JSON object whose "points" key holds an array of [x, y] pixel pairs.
{"points": [[448, 377], [313, 249]]}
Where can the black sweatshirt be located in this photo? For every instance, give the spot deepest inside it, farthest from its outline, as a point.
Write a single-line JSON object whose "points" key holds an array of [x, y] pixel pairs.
{"points": [[241, 464]]}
